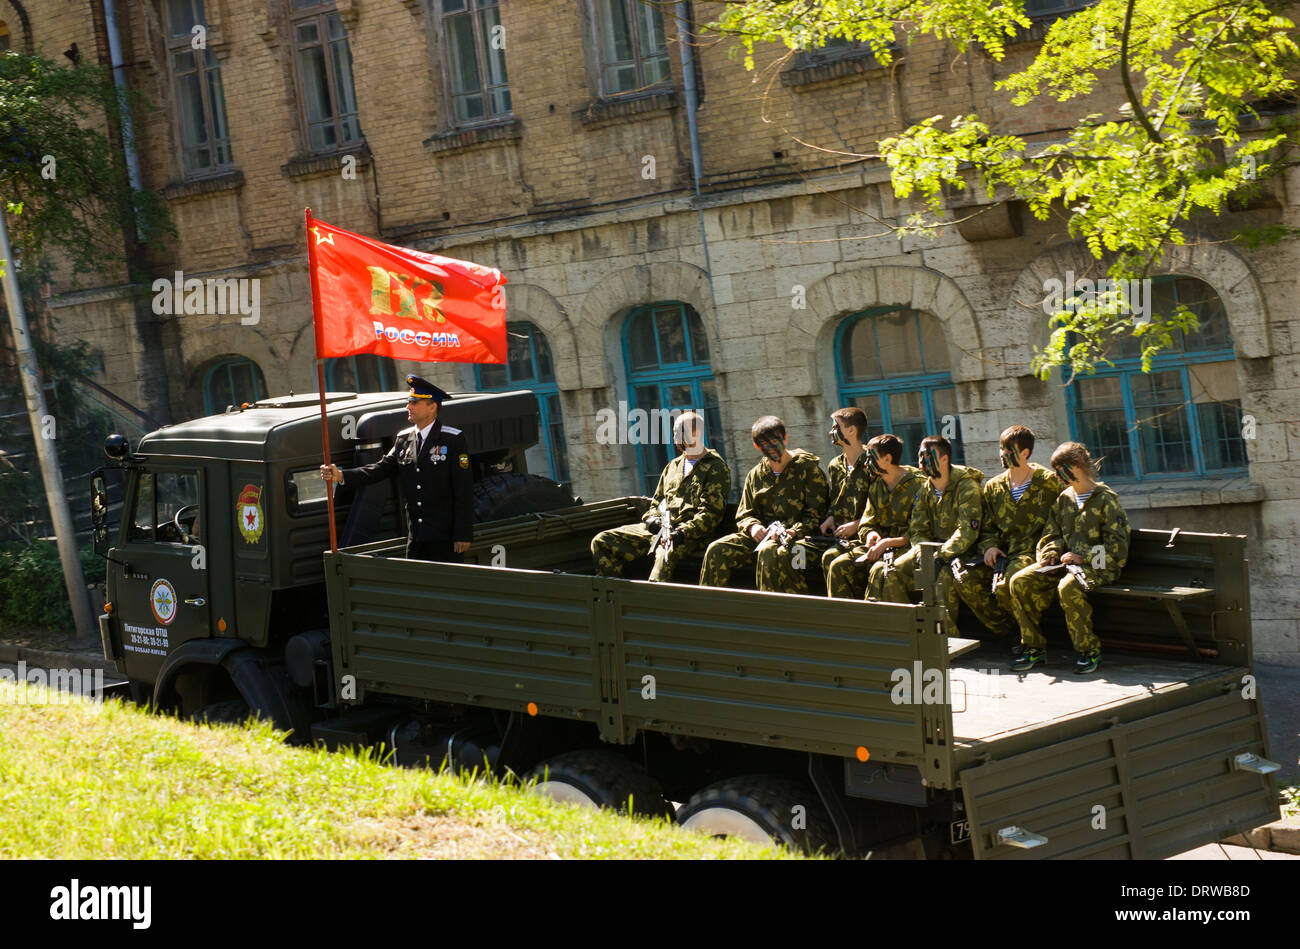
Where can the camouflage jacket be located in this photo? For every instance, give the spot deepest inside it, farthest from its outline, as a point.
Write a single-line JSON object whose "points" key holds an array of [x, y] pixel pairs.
{"points": [[888, 512], [952, 520], [1012, 526], [696, 501], [848, 488], [1101, 522], [797, 497]]}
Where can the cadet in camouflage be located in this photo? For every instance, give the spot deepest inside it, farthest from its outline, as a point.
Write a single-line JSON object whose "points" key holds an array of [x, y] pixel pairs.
{"points": [[1087, 528], [891, 495], [786, 487], [1011, 529], [947, 511], [849, 479], [695, 486]]}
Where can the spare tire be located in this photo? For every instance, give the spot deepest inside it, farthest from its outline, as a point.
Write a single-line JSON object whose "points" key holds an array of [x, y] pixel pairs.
{"points": [[509, 495]]}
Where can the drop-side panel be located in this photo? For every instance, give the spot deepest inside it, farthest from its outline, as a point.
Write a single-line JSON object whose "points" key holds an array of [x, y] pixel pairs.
{"points": [[805, 673], [496, 637], [1144, 789]]}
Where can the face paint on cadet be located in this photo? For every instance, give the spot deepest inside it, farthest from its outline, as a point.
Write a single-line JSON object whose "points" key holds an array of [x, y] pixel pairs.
{"points": [[836, 434], [928, 461], [873, 464], [1065, 473], [773, 448], [1010, 457]]}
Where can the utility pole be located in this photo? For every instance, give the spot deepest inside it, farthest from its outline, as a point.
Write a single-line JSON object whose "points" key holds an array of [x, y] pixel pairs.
{"points": [[50, 473]]}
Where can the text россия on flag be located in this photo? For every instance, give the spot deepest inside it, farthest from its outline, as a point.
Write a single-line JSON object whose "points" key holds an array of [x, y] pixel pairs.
{"points": [[372, 297]]}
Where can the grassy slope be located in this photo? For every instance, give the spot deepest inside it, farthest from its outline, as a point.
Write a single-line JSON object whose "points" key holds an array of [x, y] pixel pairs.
{"points": [[97, 781]]}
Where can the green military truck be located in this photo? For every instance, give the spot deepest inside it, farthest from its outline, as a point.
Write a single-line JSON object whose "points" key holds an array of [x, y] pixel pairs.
{"points": [[862, 728]]}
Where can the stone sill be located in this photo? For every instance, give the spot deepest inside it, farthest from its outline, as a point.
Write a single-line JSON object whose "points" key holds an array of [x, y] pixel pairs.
{"points": [[195, 187], [454, 141], [601, 112], [303, 166], [802, 78], [1210, 492]]}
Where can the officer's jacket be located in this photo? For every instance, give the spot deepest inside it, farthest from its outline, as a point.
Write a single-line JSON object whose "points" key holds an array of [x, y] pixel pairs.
{"points": [[696, 501], [797, 497], [438, 487], [889, 512], [848, 488], [1100, 523], [1012, 526], [954, 519]]}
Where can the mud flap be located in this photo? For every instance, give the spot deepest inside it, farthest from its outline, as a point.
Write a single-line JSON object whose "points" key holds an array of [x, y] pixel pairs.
{"points": [[1144, 789]]}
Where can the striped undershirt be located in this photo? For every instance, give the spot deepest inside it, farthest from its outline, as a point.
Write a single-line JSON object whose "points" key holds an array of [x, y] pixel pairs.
{"points": [[1018, 489], [1080, 499]]}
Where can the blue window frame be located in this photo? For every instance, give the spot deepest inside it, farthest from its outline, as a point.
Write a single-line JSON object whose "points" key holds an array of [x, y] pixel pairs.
{"points": [[1180, 420], [529, 366], [892, 362], [364, 373], [667, 358], [232, 382]]}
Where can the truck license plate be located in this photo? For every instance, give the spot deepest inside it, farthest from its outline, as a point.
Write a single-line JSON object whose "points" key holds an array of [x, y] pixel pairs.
{"points": [[959, 830]]}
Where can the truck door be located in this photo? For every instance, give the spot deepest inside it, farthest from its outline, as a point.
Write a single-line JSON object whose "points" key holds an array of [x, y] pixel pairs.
{"points": [[161, 568]]}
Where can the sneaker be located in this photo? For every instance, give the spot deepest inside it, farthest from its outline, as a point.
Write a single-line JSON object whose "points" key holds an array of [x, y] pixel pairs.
{"points": [[1086, 662], [1028, 658]]}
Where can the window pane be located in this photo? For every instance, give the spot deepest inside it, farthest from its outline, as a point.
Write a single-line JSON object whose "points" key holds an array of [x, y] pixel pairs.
{"points": [[860, 359], [492, 376], [308, 33], [176, 491], [340, 375], [1101, 423], [672, 335], [183, 15], [334, 23], [712, 416], [464, 64], [542, 355], [494, 59], [519, 354], [220, 394], [194, 128], [452, 6], [342, 55], [651, 29], [615, 31], [315, 84], [875, 422], [1221, 440], [1163, 437], [699, 342], [559, 450], [143, 520], [900, 353], [907, 411], [641, 350], [620, 78], [934, 345], [217, 102], [469, 107]]}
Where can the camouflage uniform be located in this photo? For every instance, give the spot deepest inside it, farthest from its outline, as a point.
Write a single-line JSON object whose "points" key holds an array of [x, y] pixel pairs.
{"points": [[1013, 527], [796, 497], [848, 495], [952, 520], [887, 512], [1101, 522], [696, 503]]}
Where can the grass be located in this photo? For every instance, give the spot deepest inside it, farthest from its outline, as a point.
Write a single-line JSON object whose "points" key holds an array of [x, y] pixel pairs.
{"points": [[88, 781], [1291, 801]]}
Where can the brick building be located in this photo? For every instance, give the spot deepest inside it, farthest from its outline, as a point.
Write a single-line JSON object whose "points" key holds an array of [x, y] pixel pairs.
{"points": [[552, 140]]}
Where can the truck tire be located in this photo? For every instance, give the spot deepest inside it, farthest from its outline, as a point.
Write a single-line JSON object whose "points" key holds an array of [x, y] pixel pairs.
{"points": [[600, 779], [229, 711], [509, 495], [761, 808]]}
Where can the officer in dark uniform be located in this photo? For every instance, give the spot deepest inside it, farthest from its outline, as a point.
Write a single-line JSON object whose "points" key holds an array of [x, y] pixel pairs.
{"points": [[432, 461]]}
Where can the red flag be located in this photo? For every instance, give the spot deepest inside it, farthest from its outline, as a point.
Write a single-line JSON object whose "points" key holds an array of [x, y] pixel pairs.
{"points": [[370, 297]]}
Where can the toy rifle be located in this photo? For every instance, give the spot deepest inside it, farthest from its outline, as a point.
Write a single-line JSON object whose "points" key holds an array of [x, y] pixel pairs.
{"points": [[776, 534], [999, 571], [664, 538], [1079, 575]]}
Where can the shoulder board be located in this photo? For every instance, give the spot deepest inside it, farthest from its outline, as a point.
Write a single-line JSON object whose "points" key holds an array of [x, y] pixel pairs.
{"points": [[448, 430]]}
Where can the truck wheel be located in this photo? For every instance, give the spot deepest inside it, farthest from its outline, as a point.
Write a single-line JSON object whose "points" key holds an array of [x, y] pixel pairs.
{"points": [[600, 779], [230, 711], [509, 495], [761, 809]]}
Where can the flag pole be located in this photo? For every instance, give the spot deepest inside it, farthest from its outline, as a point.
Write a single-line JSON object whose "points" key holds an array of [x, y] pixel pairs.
{"points": [[320, 379]]}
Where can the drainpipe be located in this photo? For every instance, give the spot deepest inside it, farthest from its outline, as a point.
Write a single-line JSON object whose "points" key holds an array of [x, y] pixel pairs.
{"points": [[119, 82]]}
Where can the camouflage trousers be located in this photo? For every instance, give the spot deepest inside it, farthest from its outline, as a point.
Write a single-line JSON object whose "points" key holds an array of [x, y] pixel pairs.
{"points": [[1032, 593], [993, 607], [848, 578], [614, 549], [902, 580], [773, 568]]}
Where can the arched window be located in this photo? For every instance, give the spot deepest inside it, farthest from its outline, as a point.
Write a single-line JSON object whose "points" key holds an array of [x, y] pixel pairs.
{"points": [[232, 381], [892, 363], [529, 366], [667, 358], [364, 373], [1181, 419]]}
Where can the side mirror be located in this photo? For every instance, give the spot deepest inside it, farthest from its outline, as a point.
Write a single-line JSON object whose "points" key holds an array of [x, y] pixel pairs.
{"points": [[99, 512], [117, 448]]}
